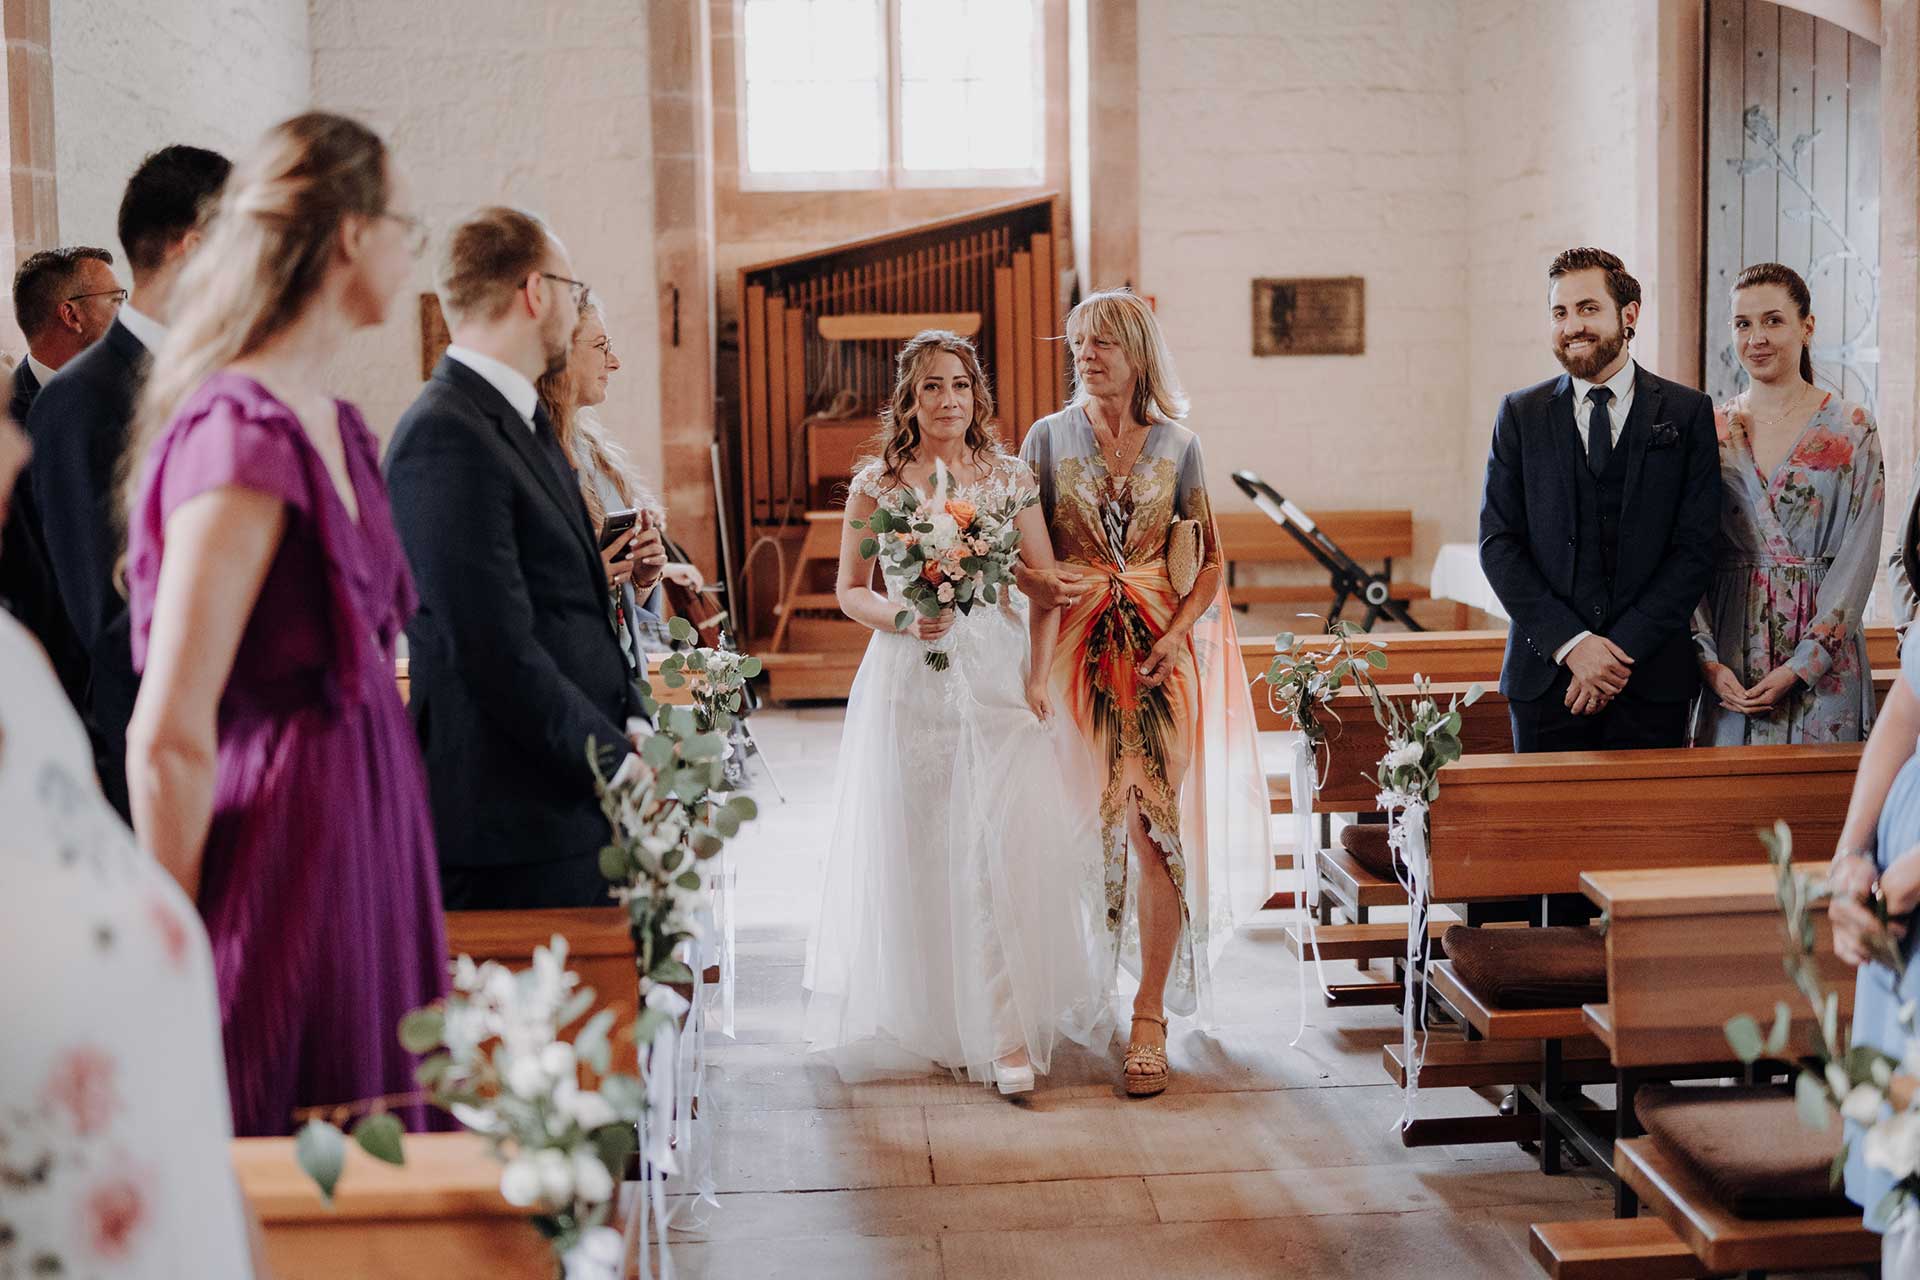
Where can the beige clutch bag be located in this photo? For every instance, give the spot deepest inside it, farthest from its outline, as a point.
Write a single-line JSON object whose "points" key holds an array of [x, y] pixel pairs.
{"points": [[1183, 555]]}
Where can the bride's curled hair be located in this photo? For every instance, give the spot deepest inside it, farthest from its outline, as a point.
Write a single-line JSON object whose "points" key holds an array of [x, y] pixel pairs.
{"points": [[899, 438]]}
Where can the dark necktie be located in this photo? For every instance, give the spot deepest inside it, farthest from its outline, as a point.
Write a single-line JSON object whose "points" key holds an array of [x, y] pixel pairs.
{"points": [[1599, 430]]}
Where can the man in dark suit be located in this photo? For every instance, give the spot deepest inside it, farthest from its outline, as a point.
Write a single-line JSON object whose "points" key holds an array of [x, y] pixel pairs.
{"points": [[79, 426], [63, 301], [1597, 528], [515, 665]]}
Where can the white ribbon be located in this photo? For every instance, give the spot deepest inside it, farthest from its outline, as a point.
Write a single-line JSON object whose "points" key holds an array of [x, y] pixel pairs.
{"points": [[1407, 837], [1306, 843]]}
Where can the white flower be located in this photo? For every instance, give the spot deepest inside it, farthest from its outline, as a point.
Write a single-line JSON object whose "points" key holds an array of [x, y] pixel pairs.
{"points": [[1837, 1080], [520, 1182], [946, 531], [556, 1175], [588, 1109], [945, 593], [596, 1257], [466, 974], [557, 1060], [1894, 1145], [664, 998], [592, 1184], [524, 1076], [1862, 1105], [1404, 755]]}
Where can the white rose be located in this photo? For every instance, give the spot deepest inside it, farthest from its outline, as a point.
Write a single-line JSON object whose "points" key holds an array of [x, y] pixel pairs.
{"points": [[590, 1111], [596, 1257], [1862, 1105], [556, 1175], [520, 1182], [1894, 1145], [557, 1060], [592, 1184], [1405, 755], [946, 531]]}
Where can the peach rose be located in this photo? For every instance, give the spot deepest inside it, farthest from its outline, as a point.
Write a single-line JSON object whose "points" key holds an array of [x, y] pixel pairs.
{"points": [[932, 572], [962, 511]]}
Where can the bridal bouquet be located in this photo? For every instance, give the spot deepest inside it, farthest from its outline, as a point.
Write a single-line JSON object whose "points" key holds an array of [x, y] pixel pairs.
{"points": [[943, 553]]}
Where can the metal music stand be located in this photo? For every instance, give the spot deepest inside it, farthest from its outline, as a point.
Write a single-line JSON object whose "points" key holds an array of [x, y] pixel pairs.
{"points": [[1349, 580]]}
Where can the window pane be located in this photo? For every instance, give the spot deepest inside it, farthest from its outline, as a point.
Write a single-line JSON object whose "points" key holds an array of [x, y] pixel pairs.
{"points": [[968, 96], [814, 99]]}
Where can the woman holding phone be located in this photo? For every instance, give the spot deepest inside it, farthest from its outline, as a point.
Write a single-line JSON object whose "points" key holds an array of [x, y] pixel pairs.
{"points": [[629, 519]]}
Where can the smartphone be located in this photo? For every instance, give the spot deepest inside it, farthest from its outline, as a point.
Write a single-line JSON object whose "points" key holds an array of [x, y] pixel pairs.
{"points": [[616, 526]]}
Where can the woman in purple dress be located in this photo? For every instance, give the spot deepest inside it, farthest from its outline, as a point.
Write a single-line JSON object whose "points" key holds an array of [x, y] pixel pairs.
{"points": [[271, 766]]}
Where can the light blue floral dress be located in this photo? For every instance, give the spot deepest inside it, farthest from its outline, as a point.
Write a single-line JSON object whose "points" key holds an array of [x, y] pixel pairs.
{"points": [[1793, 565], [1876, 1000]]}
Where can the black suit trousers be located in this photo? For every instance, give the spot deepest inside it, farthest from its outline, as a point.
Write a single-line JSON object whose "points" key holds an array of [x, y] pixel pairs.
{"points": [[1626, 723]]}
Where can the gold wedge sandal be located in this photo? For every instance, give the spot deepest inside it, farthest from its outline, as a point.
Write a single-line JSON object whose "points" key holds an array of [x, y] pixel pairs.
{"points": [[1152, 1057]]}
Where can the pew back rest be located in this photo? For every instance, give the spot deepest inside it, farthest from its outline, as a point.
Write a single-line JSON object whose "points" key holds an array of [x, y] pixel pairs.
{"points": [[1516, 825], [599, 949]]}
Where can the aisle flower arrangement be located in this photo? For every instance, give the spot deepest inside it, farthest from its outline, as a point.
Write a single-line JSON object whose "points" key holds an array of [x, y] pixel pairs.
{"points": [[715, 678]]}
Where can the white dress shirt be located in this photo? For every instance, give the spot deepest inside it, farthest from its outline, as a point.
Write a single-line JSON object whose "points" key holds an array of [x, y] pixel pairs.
{"points": [[512, 384], [1621, 384], [150, 332], [41, 373]]}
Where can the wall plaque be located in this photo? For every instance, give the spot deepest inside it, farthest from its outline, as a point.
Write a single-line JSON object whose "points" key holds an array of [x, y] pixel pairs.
{"points": [[1310, 316]]}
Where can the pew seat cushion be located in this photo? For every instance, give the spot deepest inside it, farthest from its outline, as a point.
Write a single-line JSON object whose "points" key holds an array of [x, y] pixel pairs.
{"points": [[1366, 843], [1746, 1143], [1550, 968]]}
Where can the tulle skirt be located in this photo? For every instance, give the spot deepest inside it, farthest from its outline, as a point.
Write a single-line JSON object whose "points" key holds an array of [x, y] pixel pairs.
{"points": [[963, 890]]}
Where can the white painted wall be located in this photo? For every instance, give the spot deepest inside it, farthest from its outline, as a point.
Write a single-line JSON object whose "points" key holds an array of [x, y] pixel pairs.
{"points": [[1442, 149], [131, 76], [536, 103]]}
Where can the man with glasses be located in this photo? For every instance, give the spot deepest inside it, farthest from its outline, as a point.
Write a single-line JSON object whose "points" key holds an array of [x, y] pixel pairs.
{"points": [[63, 300], [515, 662], [79, 424]]}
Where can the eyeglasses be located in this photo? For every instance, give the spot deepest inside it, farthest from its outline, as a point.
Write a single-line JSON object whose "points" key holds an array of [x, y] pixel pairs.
{"points": [[578, 288], [415, 227], [118, 295], [604, 346]]}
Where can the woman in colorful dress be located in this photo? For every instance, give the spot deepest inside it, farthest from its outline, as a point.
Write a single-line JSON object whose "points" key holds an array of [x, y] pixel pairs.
{"points": [[958, 898], [272, 768], [1152, 680], [1782, 651]]}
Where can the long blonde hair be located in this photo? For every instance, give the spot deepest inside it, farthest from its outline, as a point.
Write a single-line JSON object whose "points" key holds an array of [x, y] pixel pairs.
{"points": [[584, 437], [899, 437], [1123, 318], [267, 247]]}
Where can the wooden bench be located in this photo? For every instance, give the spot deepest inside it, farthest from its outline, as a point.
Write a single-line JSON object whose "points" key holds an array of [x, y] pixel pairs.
{"points": [[1248, 538], [599, 949], [438, 1217], [1622, 810]]}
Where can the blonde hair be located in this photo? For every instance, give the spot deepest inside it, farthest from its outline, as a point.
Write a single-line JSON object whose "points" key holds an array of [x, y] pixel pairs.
{"points": [[584, 437], [269, 244], [899, 437], [1121, 317]]}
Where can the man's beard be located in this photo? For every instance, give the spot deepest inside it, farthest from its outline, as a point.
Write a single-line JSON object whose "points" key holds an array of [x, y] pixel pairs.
{"points": [[1602, 354]]}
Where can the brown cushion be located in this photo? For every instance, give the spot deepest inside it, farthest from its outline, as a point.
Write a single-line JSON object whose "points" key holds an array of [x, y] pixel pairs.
{"points": [[1747, 1144], [1366, 843], [1551, 968]]}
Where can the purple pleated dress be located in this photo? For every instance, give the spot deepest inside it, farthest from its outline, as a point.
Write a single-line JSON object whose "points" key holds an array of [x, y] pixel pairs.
{"points": [[319, 887]]}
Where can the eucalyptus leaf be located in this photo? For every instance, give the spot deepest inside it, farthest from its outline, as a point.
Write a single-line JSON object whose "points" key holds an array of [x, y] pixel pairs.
{"points": [[321, 1150], [590, 1045], [689, 880], [682, 630], [1743, 1034], [672, 972], [743, 807], [576, 1006], [705, 746], [657, 752], [751, 668], [421, 1029], [1810, 1102], [379, 1136], [647, 1026], [681, 724], [1782, 1026], [1376, 659]]}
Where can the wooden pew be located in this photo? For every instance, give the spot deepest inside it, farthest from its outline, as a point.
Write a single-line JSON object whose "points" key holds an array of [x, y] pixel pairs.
{"points": [[599, 949], [1248, 537], [438, 1217], [1622, 810]]}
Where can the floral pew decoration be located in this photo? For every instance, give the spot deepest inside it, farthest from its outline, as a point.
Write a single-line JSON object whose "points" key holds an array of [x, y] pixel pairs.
{"points": [[1876, 1091], [1422, 739], [1301, 683], [495, 1059]]}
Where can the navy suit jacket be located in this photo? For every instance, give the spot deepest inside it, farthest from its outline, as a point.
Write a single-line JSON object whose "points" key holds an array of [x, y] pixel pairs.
{"points": [[79, 426], [1529, 533], [514, 661], [26, 578]]}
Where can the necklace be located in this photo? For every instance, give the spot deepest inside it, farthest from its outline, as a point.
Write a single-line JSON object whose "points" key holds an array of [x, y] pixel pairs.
{"points": [[1792, 408], [1112, 453]]}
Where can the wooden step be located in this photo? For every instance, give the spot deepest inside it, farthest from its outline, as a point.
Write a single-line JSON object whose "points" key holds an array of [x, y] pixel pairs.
{"points": [[1350, 880], [1361, 941], [1611, 1249], [1473, 1064]]}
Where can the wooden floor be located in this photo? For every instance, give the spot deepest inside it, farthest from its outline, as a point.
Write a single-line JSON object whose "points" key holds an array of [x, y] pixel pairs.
{"points": [[1261, 1160]]}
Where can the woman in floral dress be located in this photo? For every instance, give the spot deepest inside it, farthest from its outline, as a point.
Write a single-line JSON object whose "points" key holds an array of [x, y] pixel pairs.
{"points": [[1779, 634], [1153, 681]]}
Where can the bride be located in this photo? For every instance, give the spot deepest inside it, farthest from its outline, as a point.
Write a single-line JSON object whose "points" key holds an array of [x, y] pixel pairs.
{"points": [[955, 912]]}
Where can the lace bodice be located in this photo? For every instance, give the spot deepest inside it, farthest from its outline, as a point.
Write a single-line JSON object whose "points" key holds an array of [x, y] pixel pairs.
{"points": [[1007, 477]]}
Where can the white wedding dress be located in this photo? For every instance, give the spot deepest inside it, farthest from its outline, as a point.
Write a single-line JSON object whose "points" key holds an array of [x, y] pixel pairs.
{"points": [[963, 874]]}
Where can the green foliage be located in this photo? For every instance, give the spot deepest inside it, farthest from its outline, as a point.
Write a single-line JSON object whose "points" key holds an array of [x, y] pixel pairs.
{"points": [[321, 1149], [1304, 676], [379, 1136]]}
